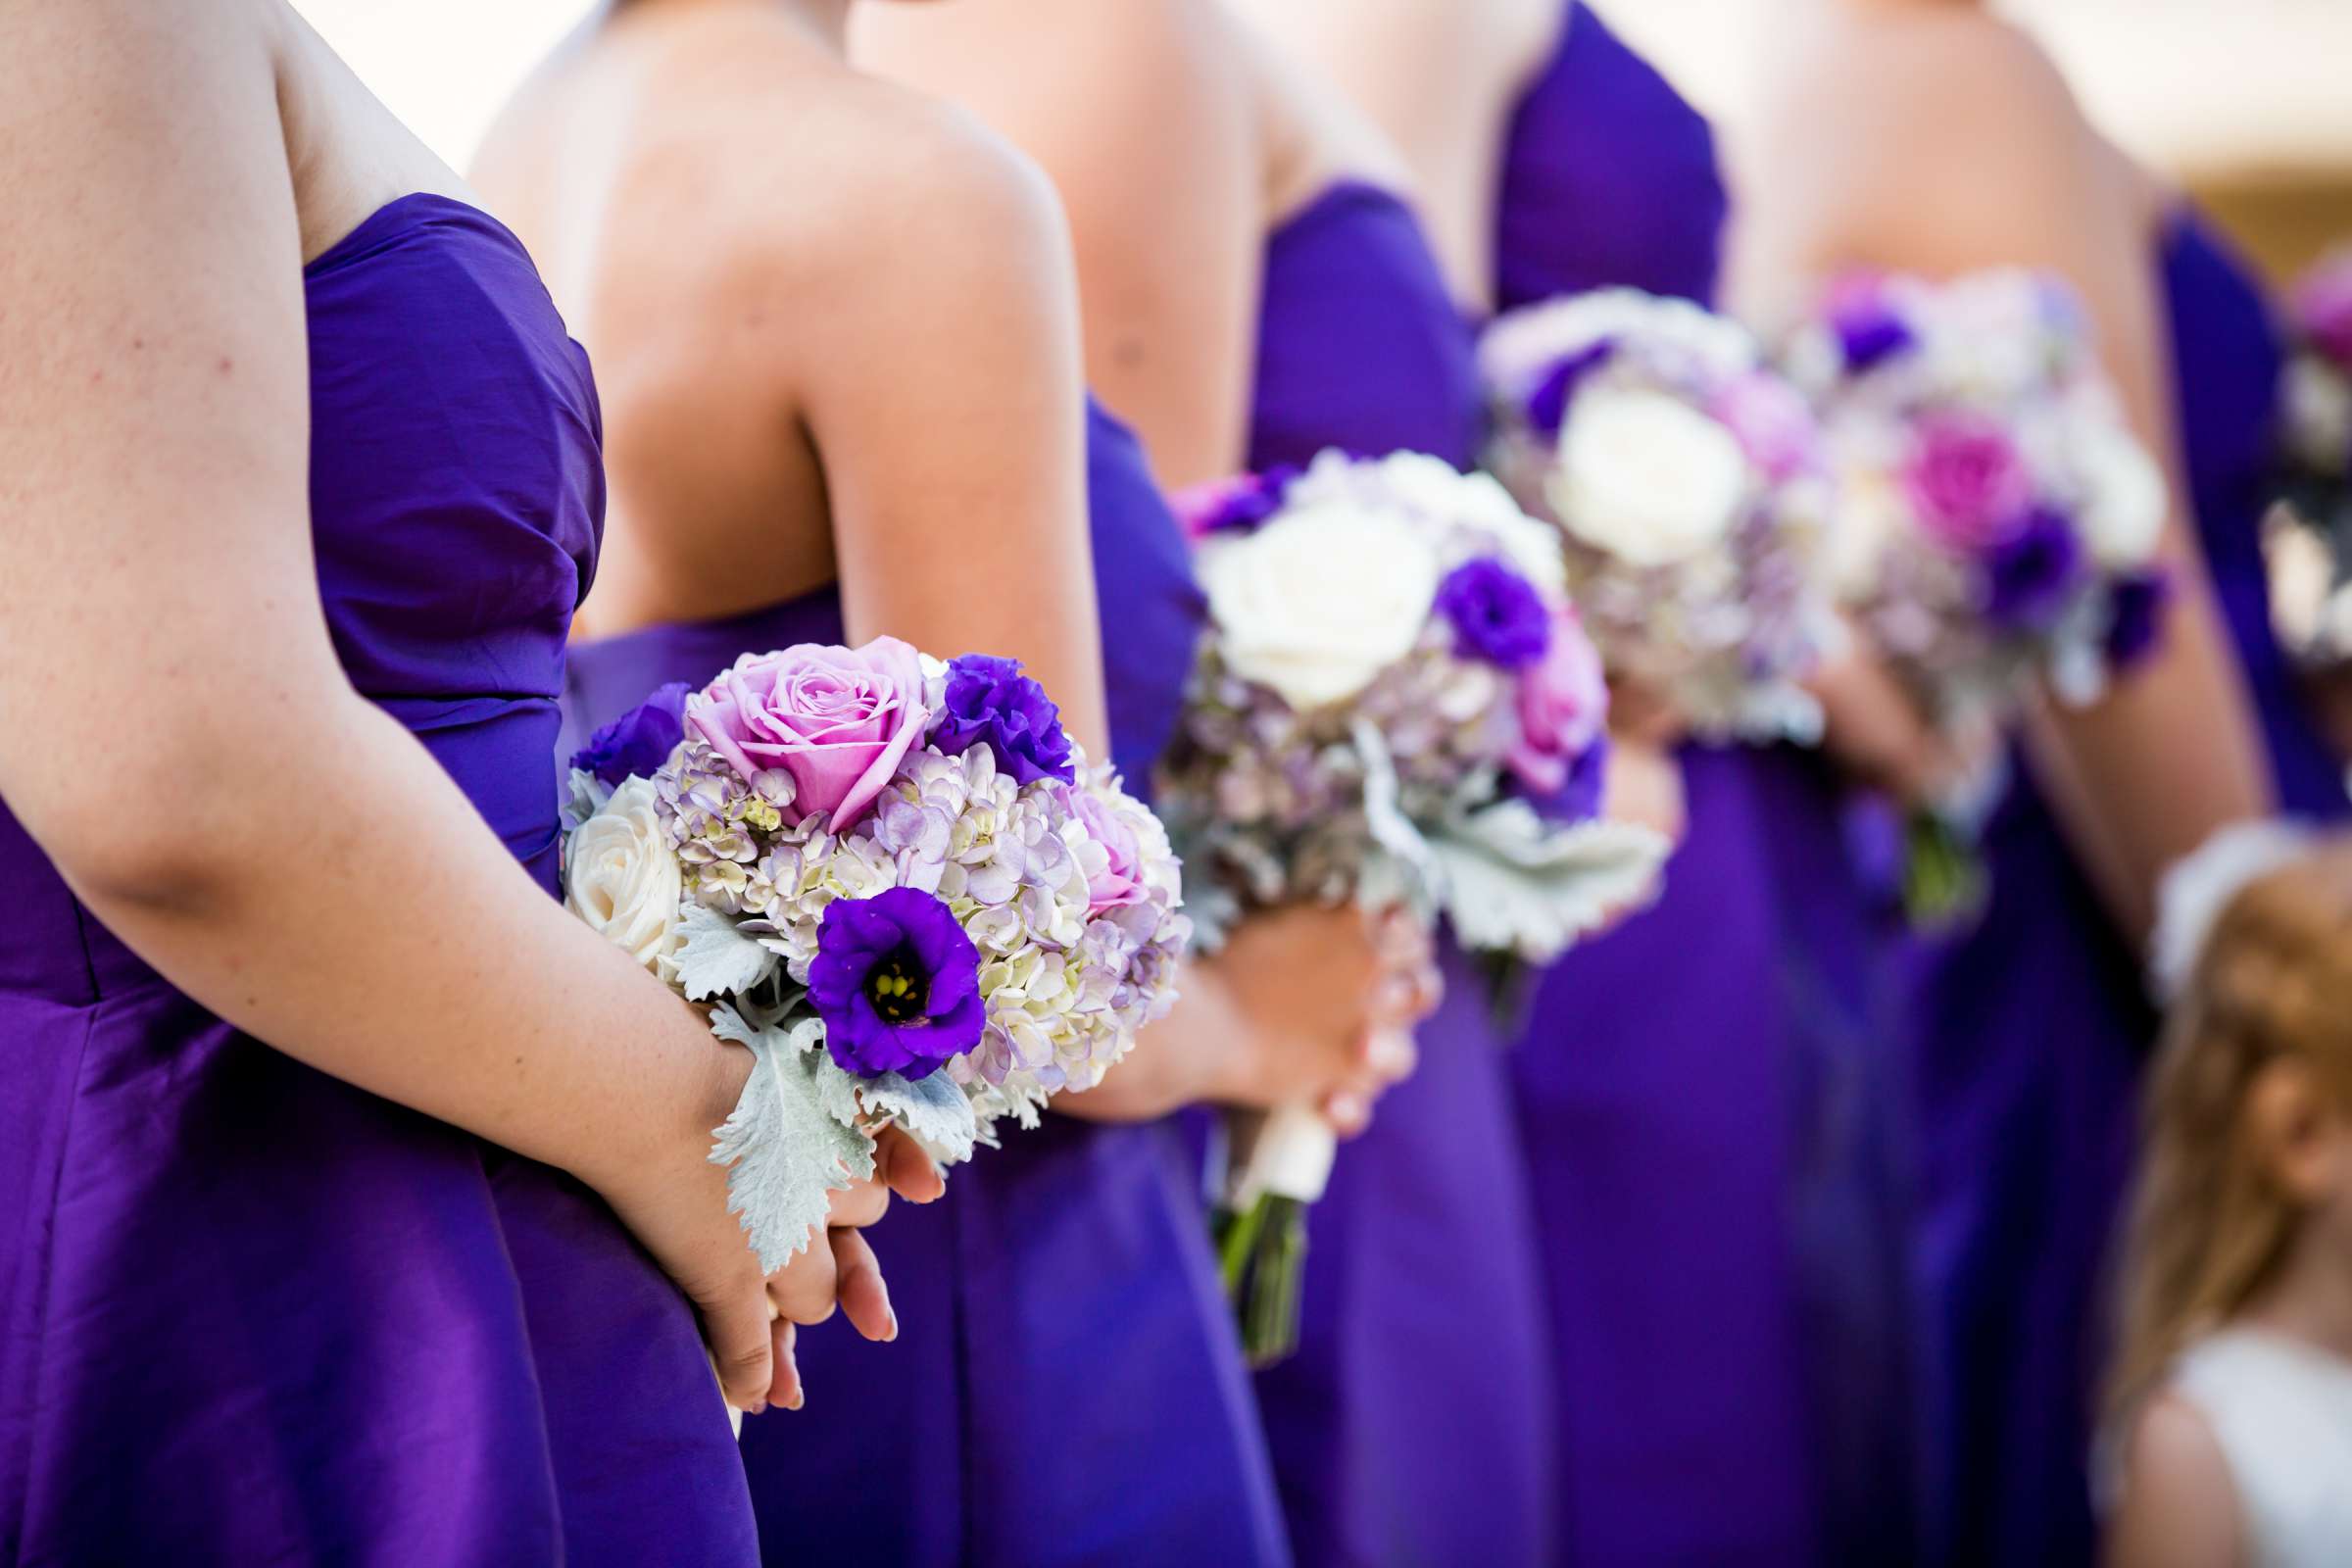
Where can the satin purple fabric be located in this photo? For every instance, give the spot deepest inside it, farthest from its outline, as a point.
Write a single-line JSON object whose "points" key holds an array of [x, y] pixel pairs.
{"points": [[2035, 1026], [247, 1312], [1066, 1388], [1711, 1096], [1413, 1424]]}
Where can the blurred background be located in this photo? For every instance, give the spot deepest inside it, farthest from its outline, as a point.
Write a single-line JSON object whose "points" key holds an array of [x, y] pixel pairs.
{"points": [[2246, 102]]}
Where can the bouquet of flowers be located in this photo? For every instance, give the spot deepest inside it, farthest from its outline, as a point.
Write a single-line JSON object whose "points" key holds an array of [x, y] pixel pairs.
{"points": [[1686, 477], [1996, 518], [1398, 703], [898, 882], [2310, 546]]}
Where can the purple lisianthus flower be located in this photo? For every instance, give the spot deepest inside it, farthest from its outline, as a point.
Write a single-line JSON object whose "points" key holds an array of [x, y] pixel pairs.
{"points": [[2031, 574], [2136, 619], [990, 701], [1578, 799], [639, 741], [1496, 615], [1236, 504], [1869, 329], [1548, 401], [896, 982]]}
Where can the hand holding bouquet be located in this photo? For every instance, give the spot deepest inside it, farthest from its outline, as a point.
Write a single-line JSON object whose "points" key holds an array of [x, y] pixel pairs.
{"points": [[897, 881], [1397, 703], [1997, 520], [1686, 476]]}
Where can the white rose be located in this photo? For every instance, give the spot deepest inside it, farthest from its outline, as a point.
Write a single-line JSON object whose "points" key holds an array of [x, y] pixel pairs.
{"points": [[1647, 478], [1443, 493], [1319, 601], [621, 878], [2124, 497], [2318, 415]]}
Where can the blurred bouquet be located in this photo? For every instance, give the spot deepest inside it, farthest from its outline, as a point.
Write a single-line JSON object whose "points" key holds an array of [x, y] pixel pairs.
{"points": [[1397, 703], [897, 881], [1995, 520], [1687, 478], [2310, 546]]}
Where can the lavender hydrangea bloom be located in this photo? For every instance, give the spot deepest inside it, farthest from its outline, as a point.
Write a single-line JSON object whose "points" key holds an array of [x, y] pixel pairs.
{"points": [[897, 983], [1496, 615], [639, 741], [2032, 574], [990, 701], [1548, 401], [2136, 620]]}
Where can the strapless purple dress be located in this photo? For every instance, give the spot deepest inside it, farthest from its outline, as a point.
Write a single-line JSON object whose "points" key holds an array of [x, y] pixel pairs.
{"points": [[1066, 1387], [1710, 1096], [249, 1313], [1413, 1424], [2036, 1024]]}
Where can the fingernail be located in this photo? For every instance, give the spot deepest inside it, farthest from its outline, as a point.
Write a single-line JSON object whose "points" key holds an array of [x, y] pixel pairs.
{"points": [[893, 1313], [799, 1398]]}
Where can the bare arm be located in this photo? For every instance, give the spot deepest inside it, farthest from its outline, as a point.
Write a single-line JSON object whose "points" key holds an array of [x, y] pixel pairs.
{"points": [[948, 408], [1955, 148], [2179, 1507], [1136, 114], [205, 777]]}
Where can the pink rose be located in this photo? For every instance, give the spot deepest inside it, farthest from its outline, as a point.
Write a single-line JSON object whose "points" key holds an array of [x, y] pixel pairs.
{"points": [[839, 720], [1773, 422], [1121, 881], [2321, 304], [1563, 711], [1969, 483]]}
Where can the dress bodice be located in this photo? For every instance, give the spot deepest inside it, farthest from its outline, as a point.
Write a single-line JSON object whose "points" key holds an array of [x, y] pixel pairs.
{"points": [[1150, 609], [292, 1247], [1360, 345], [456, 496], [1608, 178], [2225, 363], [2281, 1413]]}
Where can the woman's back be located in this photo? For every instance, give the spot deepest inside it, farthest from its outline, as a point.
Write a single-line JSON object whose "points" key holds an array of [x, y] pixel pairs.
{"points": [[684, 179]]}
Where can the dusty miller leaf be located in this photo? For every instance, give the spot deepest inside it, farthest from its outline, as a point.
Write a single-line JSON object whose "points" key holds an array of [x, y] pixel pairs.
{"points": [[932, 1108], [785, 1150], [716, 957], [1406, 869], [1513, 882]]}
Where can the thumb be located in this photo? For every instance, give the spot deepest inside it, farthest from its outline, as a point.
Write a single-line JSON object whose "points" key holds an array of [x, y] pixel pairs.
{"points": [[735, 1326]]}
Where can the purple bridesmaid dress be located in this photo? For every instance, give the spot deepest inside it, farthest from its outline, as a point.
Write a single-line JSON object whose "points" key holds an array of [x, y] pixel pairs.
{"points": [[2036, 1024], [249, 1313], [1413, 1425], [1066, 1388], [1710, 1096]]}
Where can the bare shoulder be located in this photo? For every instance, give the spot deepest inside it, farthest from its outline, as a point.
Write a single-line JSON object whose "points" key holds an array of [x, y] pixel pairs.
{"points": [[1312, 134], [2179, 1507], [1941, 90], [1941, 137]]}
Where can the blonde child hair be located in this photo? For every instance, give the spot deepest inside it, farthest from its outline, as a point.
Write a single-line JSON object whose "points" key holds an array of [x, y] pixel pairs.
{"points": [[2211, 1222]]}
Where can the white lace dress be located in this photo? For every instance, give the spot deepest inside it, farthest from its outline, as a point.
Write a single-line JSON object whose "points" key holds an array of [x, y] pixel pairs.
{"points": [[2283, 1413]]}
